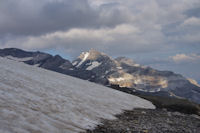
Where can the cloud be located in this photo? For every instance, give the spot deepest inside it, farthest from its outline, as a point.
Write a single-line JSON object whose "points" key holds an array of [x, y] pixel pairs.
{"points": [[183, 58], [27, 17], [38, 17], [154, 18], [118, 40], [193, 21], [161, 25], [76, 38]]}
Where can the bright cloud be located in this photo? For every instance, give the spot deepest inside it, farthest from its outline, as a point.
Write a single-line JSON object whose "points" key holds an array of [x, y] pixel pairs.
{"points": [[185, 58], [193, 21]]}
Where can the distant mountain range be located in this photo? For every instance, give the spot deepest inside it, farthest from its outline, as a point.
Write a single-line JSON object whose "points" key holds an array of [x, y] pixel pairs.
{"points": [[103, 69]]}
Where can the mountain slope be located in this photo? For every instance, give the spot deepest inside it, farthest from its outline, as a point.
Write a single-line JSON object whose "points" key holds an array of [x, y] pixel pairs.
{"points": [[37, 100]]}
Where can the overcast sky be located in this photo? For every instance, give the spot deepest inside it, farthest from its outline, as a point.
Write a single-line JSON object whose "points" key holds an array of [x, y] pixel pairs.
{"points": [[164, 34]]}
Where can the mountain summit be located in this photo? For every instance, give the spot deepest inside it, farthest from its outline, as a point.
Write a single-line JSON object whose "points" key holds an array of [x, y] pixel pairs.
{"points": [[101, 68], [93, 59]]}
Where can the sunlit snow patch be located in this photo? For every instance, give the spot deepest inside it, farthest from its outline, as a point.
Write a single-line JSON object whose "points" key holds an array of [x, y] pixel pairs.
{"points": [[84, 58], [93, 65]]}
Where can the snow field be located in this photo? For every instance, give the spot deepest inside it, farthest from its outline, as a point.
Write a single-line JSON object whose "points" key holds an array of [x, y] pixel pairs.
{"points": [[37, 100]]}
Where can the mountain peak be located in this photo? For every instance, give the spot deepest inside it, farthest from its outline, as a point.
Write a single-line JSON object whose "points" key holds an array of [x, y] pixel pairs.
{"points": [[94, 59], [92, 54]]}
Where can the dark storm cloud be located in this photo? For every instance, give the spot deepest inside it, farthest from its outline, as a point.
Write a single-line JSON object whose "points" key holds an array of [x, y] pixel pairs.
{"points": [[47, 17], [159, 23], [38, 17], [195, 12], [34, 24]]}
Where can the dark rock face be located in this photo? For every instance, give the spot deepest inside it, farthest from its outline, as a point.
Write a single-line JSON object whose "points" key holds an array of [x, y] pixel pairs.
{"points": [[100, 68], [150, 121]]}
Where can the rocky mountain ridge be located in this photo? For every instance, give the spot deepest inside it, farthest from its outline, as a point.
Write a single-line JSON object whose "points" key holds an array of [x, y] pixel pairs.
{"points": [[126, 73], [101, 68]]}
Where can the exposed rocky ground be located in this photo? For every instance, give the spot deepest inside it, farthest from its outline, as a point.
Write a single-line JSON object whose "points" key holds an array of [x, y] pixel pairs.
{"points": [[150, 121]]}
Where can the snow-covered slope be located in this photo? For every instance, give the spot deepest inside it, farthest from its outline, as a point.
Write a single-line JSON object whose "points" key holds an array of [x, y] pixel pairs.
{"points": [[37, 100]]}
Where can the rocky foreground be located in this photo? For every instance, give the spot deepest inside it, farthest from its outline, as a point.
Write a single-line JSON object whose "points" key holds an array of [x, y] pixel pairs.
{"points": [[150, 121]]}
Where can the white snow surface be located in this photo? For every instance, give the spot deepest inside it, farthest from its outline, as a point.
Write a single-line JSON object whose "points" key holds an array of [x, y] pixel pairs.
{"points": [[93, 65], [84, 58], [37, 100]]}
